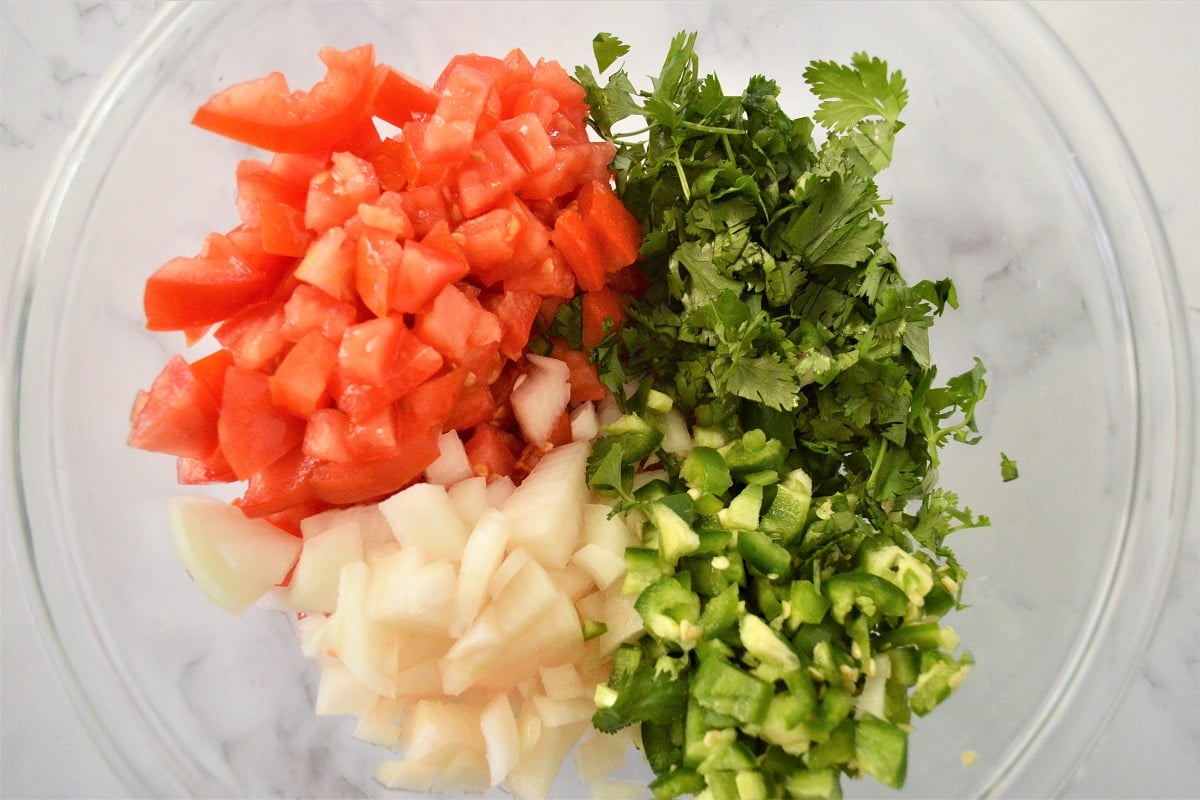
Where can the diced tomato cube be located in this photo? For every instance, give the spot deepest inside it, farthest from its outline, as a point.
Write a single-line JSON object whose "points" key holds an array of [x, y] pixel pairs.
{"points": [[451, 128], [210, 370], [574, 165], [415, 363], [455, 321], [368, 349], [518, 71], [550, 278], [283, 231], [422, 272], [475, 406], [580, 249], [389, 162], [252, 431], [402, 98], [584, 378], [492, 173], [253, 336], [614, 228], [441, 239], [357, 398], [532, 241], [516, 312], [335, 194], [300, 383], [376, 268], [432, 402], [494, 68], [310, 309], [425, 207], [326, 436], [387, 214], [177, 416], [373, 435], [600, 307], [551, 76], [526, 137], [487, 241], [421, 165], [489, 452], [299, 168], [329, 265], [363, 140]]}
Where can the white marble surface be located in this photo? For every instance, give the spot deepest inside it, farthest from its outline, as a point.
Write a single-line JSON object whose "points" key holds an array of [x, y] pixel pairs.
{"points": [[1144, 59]]}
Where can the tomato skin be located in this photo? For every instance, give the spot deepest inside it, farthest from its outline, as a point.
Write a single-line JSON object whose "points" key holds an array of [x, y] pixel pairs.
{"points": [[208, 288], [281, 485], [584, 377], [335, 194], [252, 431], [464, 98], [310, 309], [252, 336], [526, 138], [432, 403], [493, 173], [266, 113], [551, 278], [423, 271], [615, 230], [489, 453], [258, 184], [326, 436], [488, 243], [452, 322], [425, 207], [475, 406], [329, 265], [598, 307], [283, 231], [376, 268], [581, 250], [516, 312], [198, 471], [362, 481], [177, 416], [300, 382], [402, 98]]}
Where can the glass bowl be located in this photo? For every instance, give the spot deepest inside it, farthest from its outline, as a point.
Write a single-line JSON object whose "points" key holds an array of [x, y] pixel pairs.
{"points": [[1010, 177]]}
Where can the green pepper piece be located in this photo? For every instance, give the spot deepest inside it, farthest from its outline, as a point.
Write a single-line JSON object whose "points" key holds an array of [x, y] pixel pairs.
{"points": [[705, 471], [764, 554], [788, 512], [873, 596], [670, 611], [722, 687], [638, 437], [754, 452], [881, 750]]}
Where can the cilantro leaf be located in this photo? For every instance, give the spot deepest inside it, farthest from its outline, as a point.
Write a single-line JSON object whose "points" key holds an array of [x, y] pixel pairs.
{"points": [[1008, 468], [854, 92], [607, 49]]}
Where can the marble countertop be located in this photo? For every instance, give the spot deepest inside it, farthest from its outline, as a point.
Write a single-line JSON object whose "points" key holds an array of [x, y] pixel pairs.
{"points": [[1143, 58]]}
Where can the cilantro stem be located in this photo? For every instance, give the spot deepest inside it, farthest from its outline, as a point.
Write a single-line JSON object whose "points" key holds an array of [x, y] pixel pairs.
{"points": [[683, 181]]}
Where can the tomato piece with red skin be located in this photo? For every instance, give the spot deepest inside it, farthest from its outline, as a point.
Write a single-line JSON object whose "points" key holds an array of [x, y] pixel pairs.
{"points": [[253, 432], [475, 406], [584, 377], [489, 452], [630, 281], [199, 471], [453, 321], [441, 238], [425, 206], [574, 165], [415, 363], [518, 71], [553, 78], [252, 336], [600, 307], [362, 140], [281, 485], [283, 231], [526, 138], [491, 173], [374, 435], [532, 240], [432, 403], [450, 130], [402, 98], [551, 278], [266, 112], [389, 163], [310, 309], [300, 168], [209, 288], [210, 370], [300, 383], [367, 350], [580, 249], [335, 194], [516, 312], [488, 242], [614, 228], [388, 215], [376, 269], [326, 436], [362, 481], [421, 273], [258, 184], [329, 265], [177, 415]]}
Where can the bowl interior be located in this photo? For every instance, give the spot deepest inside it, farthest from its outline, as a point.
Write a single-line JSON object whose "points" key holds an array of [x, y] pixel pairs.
{"points": [[988, 188]]}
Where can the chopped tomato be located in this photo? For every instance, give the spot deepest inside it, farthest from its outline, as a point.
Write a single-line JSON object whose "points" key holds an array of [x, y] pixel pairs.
{"points": [[373, 435], [492, 173], [279, 486], [329, 265], [300, 382], [210, 370], [584, 379], [177, 416], [335, 194], [516, 312], [600, 308], [489, 453], [581, 250], [402, 98], [252, 336], [310, 309], [431, 403], [488, 242], [368, 349], [209, 288], [283, 231], [550, 278], [253, 432], [197, 471], [266, 113], [421, 274], [376, 268], [526, 137], [358, 482], [614, 229], [326, 436], [258, 184], [453, 321], [463, 100], [475, 406], [425, 207]]}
